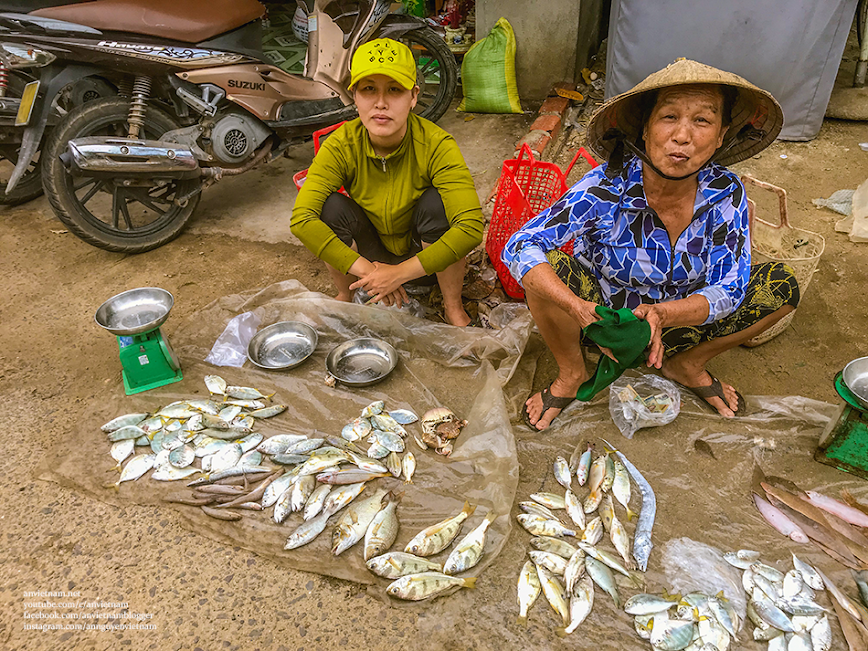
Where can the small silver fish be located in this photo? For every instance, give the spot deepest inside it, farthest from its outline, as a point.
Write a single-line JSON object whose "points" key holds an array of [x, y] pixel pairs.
{"points": [[279, 443], [215, 385], [551, 562], [403, 416], [168, 472], [603, 577], [438, 537], [408, 467], [468, 551], [584, 465], [373, 409], [387, 424], [554, 545], [574, 570], [529, 589], [550, 500], [245, 393], [268, 412], [136, 467], [354, 522], [340, 496], [539, 526], [574, 509], [416, 587], [555, 593], [121, 450], [301, 491], [383, 530], [537, 509], [394, 565], [123, 421], [393, 463], [581, 603], [593, 531], [562, 473], [316, 501], [182, 457], [126, 432], [307, 531]]}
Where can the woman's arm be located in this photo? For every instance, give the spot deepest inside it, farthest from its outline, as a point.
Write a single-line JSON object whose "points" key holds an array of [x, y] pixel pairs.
{"points": [[570, 217]]}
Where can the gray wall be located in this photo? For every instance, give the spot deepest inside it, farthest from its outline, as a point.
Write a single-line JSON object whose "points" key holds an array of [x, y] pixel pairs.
{"points": [[546, 34]]}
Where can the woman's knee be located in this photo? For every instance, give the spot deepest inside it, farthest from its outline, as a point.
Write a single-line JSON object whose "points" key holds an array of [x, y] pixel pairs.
{"points": [[784, 284], [429, 218]]}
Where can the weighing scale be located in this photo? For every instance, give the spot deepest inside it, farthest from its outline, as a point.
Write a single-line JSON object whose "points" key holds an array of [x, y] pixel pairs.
{"points": [[135, 317], [844, 442]]}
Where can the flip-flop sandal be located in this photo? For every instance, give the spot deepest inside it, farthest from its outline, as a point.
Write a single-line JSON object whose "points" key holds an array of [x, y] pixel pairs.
{"points": [[715, 390], [549, 402]]}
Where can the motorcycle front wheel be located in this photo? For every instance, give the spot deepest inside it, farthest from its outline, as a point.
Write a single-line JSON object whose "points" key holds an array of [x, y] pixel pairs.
{"points": [[122, 215], [436, 72]]}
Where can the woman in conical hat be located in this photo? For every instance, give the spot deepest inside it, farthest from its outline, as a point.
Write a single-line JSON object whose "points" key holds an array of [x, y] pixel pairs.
{"points": [[660, 230]]}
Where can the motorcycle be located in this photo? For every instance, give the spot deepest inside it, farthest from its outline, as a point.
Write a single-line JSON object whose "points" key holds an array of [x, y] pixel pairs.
{"points": [[136, 112]]}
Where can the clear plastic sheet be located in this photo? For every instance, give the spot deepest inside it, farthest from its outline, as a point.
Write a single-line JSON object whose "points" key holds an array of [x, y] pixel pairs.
{"points": [[463, 369], [700, 498]]}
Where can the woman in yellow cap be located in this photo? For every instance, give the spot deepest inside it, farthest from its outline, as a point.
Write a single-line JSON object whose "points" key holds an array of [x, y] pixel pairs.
{"points": [[413, 210]]}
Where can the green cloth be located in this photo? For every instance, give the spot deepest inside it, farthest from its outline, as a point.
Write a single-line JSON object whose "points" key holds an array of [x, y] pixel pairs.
{"points": [[626, 336], [388, 190]]}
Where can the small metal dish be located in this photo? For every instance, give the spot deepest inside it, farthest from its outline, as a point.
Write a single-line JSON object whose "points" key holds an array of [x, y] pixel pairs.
{"points": [[282, 345], [362, 362], [135, 311], [855, 376]]}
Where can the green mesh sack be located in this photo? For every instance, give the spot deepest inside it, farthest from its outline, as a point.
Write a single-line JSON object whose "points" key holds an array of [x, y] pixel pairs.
{"points": [[488, 73]]}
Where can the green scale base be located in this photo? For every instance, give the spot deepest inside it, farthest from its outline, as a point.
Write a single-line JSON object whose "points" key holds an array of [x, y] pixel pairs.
{"points": [[148, 362], [844, 443]]}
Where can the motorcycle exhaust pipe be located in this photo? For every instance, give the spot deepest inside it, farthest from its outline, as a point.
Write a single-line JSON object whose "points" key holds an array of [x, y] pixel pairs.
{"points": [[105, 156]]}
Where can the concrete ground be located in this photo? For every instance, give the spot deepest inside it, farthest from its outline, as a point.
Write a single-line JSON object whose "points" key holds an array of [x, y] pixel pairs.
{"points": [[202, 595]]}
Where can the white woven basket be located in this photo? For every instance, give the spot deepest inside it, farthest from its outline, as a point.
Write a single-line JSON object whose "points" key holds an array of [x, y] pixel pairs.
{"points": [[799, 248]]}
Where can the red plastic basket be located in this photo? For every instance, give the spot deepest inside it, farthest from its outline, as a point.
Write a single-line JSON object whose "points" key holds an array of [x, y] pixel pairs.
{"points": [[299, 177], [526, 187]]}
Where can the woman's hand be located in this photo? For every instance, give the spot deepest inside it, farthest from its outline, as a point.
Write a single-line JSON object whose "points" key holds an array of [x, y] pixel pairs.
{"points": [[384, 283], [653, 314], [584, 312]]}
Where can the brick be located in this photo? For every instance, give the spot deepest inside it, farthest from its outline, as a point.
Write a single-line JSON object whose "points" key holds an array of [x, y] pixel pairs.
{"points": [[536, 140], [554, 106], [548, 123]]}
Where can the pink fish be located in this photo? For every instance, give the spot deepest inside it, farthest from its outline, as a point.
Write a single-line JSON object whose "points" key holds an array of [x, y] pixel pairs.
{"points": [[833, 506], [779, 520]]}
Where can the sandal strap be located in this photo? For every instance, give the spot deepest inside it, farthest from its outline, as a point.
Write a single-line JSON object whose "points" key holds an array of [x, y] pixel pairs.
{"points": [[554, 402], [714, 390]]}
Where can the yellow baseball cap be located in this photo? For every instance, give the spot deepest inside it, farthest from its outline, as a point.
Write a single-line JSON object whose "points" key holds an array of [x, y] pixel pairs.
{"points": [[384, 57]]}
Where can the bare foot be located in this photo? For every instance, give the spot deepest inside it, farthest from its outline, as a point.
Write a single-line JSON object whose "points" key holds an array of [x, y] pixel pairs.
{"points": [[344, 297], [696, 376], [456, 317], [559, 388]]}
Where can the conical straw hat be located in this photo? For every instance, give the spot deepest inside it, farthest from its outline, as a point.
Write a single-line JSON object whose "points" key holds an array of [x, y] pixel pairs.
{"points": [[753, 106]]}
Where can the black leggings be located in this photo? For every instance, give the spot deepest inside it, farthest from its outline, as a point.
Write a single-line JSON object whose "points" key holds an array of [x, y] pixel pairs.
{"points": [[350, 223], [771, 286]]}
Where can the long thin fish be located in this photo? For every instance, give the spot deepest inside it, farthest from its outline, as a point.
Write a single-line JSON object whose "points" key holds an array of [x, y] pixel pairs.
{"points": [[642, 544]]}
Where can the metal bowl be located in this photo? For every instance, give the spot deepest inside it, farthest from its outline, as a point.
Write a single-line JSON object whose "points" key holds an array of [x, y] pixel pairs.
{"points": [[282, 345], [362, 362], [855, 376], [135, 311]]}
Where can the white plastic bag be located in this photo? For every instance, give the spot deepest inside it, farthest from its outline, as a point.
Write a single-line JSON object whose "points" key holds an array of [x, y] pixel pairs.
{"points": [[632, 415], [230, 349]]}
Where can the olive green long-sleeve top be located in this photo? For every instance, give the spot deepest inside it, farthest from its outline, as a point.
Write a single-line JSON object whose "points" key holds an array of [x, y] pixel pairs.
{"points": [[388, 189]]}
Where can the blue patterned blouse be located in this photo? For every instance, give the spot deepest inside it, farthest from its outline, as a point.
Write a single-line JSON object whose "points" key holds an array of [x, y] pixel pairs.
{"points": [[626, 246]]}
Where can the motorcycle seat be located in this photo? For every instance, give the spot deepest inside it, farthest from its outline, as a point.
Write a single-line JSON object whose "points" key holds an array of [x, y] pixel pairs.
{"points": [[189, 21], [26, 6]]}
